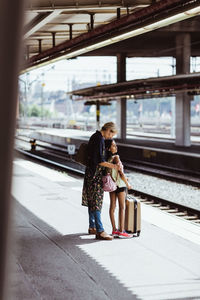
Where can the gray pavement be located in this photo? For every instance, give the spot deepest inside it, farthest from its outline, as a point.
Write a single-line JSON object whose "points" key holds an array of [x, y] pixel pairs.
{"points": [[55, 258], [51, 266]]}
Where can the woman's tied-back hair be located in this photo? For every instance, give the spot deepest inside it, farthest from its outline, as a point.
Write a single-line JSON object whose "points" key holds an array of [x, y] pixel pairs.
{"points": [[111, 126]]}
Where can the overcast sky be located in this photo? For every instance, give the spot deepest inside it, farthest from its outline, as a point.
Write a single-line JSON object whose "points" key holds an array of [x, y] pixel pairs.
{"points": [[58, 76]]}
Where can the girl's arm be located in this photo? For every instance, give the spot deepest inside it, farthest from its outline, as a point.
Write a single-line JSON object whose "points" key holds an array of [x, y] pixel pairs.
{"points": [[123, 177]]}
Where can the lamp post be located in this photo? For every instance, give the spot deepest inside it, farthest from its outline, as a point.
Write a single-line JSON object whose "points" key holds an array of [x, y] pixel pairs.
{"points": [[27, 88], [42, 97], [25, 93], [42, 90]]}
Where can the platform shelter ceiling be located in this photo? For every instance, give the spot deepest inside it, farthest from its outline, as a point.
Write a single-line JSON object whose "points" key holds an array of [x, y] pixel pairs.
{"points": [[55, 29], [45, 18]]}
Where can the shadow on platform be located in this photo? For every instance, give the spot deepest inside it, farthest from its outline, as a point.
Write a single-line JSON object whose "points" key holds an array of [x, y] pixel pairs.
{"points": [[48, 265]]}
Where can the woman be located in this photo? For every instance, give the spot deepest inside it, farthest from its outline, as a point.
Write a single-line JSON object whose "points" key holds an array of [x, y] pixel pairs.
{"points": [[120, 193], [92, 194]]}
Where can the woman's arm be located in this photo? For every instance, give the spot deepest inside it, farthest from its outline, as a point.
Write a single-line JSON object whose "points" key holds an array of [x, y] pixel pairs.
{"points": [[109, 165]]}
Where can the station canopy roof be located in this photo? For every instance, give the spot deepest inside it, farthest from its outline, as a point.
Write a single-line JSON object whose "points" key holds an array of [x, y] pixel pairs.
{"points": [[142, 88], [60, 29]]}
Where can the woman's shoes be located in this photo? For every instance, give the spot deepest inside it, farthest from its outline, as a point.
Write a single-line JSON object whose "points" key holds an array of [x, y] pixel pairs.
{"points": [[103, 236], [100, 235], [92, 231]]}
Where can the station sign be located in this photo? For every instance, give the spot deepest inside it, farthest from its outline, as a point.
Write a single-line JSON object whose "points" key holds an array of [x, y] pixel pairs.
{"points": [[71, 149]]}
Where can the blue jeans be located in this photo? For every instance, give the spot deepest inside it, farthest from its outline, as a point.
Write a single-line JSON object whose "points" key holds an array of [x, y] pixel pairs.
{"points": [[95, 220]]}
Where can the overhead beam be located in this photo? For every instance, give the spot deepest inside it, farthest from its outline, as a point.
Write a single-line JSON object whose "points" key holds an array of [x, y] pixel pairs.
{"points": [[40, 21], [36, 20], [86, 10], [77, 23], [92, 11], [87, 4], [63, 35], [184, 26], [50, 33]]}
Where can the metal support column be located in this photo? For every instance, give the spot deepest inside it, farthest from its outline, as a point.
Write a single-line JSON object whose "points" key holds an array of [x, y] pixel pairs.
{"points": [[183, 120], [27, 52], [183, 51], [11, 22], [53, 39], [121, 103], [40, 46], [70, 31], [118, 13], [97, 115], [91, 21]]}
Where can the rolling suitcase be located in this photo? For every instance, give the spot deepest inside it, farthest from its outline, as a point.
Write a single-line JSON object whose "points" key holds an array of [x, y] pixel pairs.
{"points": [[133, 215]]}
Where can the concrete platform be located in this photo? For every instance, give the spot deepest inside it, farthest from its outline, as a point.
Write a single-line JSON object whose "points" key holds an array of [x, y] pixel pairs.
{"points": [[55, 258], [64, 137]]}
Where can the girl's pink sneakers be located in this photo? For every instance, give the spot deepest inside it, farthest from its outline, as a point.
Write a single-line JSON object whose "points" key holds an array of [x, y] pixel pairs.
{"points": [[124, 235], [121, 235]]}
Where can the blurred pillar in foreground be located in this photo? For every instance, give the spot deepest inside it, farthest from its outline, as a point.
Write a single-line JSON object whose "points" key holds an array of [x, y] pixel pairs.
{"points": [[11, 19]]}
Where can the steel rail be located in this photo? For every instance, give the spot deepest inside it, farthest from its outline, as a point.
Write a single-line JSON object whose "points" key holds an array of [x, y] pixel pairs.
{"points": [[169, 206], [50, 162], [165, 172]]}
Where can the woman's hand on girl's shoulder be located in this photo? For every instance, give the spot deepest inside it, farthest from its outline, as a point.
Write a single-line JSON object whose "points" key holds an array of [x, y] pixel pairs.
{"points": [[116, 167]]}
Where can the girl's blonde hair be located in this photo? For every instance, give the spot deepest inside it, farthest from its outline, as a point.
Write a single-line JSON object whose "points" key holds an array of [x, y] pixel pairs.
{"points": [[111, 126]]}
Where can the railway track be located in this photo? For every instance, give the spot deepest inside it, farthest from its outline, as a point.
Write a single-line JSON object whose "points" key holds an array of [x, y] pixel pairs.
{"points": [[164, 172], [180, 211], [177, 175]]}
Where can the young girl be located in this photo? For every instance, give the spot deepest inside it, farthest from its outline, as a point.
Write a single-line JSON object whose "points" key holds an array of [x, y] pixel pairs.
{"points": [[119, 193]]}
